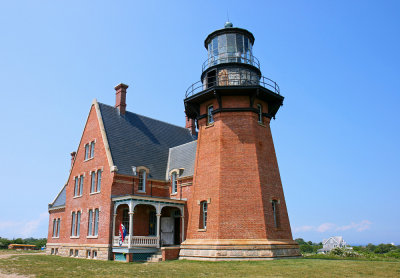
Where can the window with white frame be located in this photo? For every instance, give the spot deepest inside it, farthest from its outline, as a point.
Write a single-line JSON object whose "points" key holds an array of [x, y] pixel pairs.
{"points": [[58, 227], [210, 118], [87, 151], [81, 185], [93, 222], [90, 223], [78, 223], [73, 224], [203, 215], [259, 108], [54, 227], [93, 182], [142, 181], [98, 180], [96, 222], [76, 189], [92, 149], [174, 183]]}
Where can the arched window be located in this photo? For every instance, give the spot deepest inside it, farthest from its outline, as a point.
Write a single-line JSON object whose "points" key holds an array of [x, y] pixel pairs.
{"points": [[54, 227], [58, 227], [210, 118], [78, 223], [92, 149], [174, 183], [259, 108], [81, 186], [86, 151], [142, 181]]}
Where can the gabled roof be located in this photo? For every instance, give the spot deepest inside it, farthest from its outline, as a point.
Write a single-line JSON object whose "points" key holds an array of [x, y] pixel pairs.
{"points": [[136, 140], [182, 157], [59, 201], [338, 239]]}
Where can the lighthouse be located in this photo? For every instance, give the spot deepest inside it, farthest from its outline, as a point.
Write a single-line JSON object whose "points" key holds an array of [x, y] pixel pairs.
{"points": [[237, 206]]}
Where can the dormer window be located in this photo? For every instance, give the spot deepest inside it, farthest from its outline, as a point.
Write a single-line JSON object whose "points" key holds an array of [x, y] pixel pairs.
{"points": [[142, 181], [174, 183]]}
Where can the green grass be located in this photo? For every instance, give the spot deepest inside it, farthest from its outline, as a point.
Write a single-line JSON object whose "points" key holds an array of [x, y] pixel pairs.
{"points": [[55, 266]]}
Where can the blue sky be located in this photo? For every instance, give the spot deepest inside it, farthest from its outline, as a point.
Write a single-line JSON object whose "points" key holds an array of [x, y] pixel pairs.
{"points": [[337, 63]]}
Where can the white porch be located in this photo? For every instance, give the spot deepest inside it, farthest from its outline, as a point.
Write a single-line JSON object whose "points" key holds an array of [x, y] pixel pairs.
{"points": [[145, 241]]}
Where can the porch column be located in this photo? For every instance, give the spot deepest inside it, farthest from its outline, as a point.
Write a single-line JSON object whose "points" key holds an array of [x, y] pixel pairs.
{"points": [[183, 228], [130, 229], [158, 228]]}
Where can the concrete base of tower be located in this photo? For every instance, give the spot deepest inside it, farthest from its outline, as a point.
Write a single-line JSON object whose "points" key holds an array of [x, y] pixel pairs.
{"points": [[238, 249]]}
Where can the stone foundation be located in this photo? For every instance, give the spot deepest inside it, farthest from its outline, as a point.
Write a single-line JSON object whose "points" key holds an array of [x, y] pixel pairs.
{"points": [[216, 250], [85, 251]]}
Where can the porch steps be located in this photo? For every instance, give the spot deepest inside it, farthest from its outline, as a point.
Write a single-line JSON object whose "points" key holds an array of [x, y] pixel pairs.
{"points": [[156, 257]]}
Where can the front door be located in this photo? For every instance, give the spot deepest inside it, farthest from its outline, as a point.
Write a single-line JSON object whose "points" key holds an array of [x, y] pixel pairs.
{"points": [[167, 230]]}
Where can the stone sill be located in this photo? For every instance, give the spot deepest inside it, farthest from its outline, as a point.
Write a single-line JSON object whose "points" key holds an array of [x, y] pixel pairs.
{"points": [[74, 237], [202, 230], [94, 193], [210, 125], [77, 196], [92, 236], [90, 158]]}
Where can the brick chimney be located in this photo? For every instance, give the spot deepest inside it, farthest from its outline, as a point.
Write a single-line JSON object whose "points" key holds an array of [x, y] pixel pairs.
{"points": [[120, 102], [73, 155], [191, 125]]}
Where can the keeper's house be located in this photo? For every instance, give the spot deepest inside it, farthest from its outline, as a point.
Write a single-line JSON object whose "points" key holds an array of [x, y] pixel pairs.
{"points": [[208, 193]]}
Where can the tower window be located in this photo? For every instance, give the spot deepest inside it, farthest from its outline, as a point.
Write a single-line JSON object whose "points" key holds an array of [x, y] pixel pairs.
{"points": [[275, 211], [142, 181], [203, 215], [259, 108], [174, 183], [210, 118]]}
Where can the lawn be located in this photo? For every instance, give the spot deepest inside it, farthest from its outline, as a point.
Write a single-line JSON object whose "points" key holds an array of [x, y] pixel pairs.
{"points": [[55, 266]]}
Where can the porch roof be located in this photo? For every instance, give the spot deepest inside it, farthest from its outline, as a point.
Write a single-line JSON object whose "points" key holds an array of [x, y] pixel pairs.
{"points": [[147, 199]]}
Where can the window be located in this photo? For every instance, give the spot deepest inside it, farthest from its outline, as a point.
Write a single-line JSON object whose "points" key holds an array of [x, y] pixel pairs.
{"points": [[92, 149], [88, 254], [54, 227], [90, 222], [94, 254], [96, 222], [259, 108], [86, 151], [78, 223], [73, 224], [275, 211], [203, 215], [174, 183], [71, 252], [52, 251], [81, 186], [93, 183], [76, 252], [58, 227], [142, 181], [210, 118], [76, 190], [56, 251], [98, 180]]}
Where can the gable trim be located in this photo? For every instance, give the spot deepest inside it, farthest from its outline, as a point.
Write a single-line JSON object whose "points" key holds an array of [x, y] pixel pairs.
{"points": [[113, 168]]}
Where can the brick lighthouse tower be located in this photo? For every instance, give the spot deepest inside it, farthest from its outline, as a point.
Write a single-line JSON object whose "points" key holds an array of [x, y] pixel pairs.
{"points": [[237, 209]]}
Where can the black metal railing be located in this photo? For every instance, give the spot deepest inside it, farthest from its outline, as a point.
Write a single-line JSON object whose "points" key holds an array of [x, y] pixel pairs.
{"points": [[233, 79], [229, 57]]}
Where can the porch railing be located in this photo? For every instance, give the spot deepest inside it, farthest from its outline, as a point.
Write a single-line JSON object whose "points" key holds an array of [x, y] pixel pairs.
{"points": [[142, 241]]}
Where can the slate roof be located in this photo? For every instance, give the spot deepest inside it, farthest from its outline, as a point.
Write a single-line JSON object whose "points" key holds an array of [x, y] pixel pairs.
{"points": [[182, 156], [60, 199], [136, 140]]}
